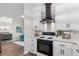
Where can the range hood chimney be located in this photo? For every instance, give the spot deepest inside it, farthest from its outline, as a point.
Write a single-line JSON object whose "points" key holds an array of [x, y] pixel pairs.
{"points": [[48, 18]]}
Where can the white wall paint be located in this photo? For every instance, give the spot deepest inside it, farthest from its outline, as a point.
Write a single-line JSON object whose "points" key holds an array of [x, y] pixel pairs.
{"points": [[75, 36], [13, 10], [28, 24], [67, 12], [17, 22]]}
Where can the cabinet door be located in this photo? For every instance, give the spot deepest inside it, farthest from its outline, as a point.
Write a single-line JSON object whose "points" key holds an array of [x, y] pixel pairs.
{"points": [[75, 26], [33, 45], [38, 26], [58, 51], [61, 25], [36, 20], [62, 51], [68, 51]]}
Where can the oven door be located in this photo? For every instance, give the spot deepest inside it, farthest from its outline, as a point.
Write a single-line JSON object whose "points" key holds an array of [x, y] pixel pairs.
{"points": [[45, 47]]}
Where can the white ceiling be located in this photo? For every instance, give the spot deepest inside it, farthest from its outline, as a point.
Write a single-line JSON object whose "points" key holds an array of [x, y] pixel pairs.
{"points": [[13, 10]]}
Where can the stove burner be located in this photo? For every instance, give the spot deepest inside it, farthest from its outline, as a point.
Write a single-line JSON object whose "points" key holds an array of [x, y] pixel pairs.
{"points": [[50, 38]]}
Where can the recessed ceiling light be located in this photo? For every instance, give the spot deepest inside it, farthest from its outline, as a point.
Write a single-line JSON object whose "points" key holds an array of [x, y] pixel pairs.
{"points": [[22, 16]]}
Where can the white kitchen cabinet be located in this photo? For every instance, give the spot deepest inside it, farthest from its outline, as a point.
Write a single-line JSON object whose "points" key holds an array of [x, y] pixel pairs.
{"points": [[68, 14], [62, 25], [65, 25], [33, 45], [74, 26], [57, 51], [61, 49], [37, 27], [37, 17], [68, 51]]}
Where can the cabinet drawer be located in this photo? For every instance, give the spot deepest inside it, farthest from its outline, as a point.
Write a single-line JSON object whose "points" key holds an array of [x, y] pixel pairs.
{"points": [[62, 44], [33, 40], [33, 49], [33, 44]]}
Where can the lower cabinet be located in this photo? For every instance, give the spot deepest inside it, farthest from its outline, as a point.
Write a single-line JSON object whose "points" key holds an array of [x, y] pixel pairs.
{"points": [[57, 51], [62, 49], [59, 48], [33, 45], [68, 51]]}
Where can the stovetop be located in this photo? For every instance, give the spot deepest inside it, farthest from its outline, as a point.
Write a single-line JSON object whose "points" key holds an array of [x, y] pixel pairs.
{"points": [[46, 37]]}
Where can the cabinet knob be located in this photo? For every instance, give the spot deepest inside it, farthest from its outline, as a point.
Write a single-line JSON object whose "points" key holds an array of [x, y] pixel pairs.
{"points": [[62, 51]]}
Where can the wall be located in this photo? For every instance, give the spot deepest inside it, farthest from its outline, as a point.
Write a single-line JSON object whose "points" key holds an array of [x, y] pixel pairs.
{"points": [[28, 24], [6, 22], [75, 36], [67, 13], [18, 22]]}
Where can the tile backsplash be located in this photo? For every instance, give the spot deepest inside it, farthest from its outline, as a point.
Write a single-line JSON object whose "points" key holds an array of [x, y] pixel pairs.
{"points": [[49, 27]]}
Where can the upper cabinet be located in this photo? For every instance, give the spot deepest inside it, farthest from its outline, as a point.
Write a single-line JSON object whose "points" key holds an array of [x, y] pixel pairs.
{"points": [[38, 13], [75, 25], [67, 16], [62, 25]]}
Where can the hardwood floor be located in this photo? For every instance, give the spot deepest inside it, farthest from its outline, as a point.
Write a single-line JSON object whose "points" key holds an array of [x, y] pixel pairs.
{"points": [[11, 49]]}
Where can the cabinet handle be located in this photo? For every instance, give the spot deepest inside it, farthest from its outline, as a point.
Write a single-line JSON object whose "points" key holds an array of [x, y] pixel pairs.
{"points": [[62, 45], [62, 51]]}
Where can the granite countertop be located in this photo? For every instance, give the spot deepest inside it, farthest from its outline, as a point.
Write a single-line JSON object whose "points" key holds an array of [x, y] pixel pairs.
{"points": [[68, 41], [62, 40]]}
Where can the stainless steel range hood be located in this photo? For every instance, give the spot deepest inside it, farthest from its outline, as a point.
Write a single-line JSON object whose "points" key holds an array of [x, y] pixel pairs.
{"points": [[48, 18]]}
